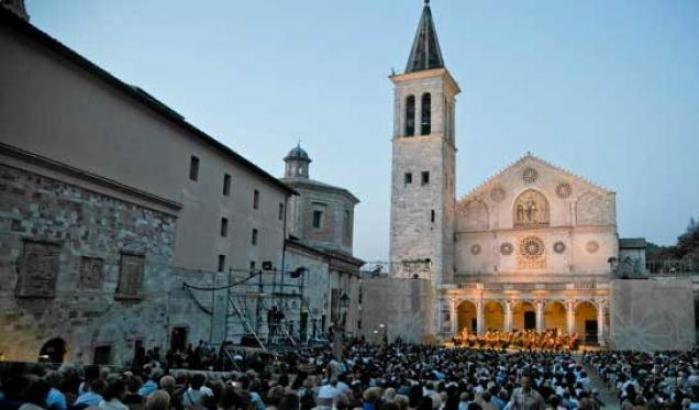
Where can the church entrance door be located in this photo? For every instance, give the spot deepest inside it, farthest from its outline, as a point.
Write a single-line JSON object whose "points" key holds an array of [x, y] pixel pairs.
{"points": [[529, 320]]}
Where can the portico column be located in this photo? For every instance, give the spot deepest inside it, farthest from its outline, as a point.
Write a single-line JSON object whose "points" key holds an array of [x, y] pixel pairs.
{"points": [[570, 316], [480, 319], [452, 316], [508, 315], [539, 315], [601, 329]]}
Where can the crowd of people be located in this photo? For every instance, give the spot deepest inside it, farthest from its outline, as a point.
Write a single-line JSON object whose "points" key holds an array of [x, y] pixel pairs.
{"points": [[550, 339], [393, 376], [649, 380]]}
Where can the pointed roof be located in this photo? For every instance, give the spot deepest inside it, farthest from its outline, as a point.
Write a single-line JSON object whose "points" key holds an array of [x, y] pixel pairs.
{"points": [[425, 54]]}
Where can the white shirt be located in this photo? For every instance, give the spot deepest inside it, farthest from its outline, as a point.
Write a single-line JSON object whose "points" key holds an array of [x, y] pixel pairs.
{"points": [[192, 397]]}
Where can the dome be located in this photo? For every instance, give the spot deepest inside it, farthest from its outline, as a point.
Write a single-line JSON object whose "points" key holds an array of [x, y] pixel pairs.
{"points": [[297, 153]]}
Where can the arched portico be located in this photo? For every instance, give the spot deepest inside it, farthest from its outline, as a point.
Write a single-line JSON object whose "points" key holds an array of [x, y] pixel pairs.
{"points": [[586, 323], [523, 316], [555, 316], [466, 317], [493, 316]]}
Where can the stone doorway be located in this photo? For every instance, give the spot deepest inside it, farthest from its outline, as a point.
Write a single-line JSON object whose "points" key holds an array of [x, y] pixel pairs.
{"points": [[178, 338], [53, 351]]}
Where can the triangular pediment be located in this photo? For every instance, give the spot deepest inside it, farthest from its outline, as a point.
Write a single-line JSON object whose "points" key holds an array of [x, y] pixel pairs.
{"points": [[531, 171]]}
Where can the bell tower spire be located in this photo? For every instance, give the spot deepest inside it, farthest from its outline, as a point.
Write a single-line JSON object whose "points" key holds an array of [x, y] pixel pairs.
{"points": [[425, 53]]}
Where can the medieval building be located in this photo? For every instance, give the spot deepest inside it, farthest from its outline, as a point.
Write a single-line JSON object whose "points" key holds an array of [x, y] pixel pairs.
{"points": [[118, 218]]}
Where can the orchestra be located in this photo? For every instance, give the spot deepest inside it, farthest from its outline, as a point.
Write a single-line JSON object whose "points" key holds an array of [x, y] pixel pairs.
{"points": [[547, 340]]}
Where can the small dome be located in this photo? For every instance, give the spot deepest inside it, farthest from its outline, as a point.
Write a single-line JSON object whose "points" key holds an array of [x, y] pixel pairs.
{"points": [[298, 153]]}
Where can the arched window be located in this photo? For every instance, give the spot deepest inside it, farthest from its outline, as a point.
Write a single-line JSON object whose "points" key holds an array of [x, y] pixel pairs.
{"points": [[410, 116], [426, 114]]}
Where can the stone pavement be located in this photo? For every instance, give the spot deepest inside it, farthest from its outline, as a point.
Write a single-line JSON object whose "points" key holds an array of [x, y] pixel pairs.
{"points": [[608, 397]]}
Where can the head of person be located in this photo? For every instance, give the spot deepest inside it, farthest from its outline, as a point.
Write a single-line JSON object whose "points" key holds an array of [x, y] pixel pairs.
{"points": [[115, 390], [526, 383], [168, 383], [229, 399], [159, 400], [37, 392], [197, 381]]}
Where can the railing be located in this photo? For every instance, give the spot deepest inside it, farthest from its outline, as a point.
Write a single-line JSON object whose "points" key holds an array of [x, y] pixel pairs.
{"points": [[527, 286], [669, 267]]}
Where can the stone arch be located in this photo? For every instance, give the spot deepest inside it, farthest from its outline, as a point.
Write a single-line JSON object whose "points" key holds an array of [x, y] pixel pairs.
{"points": [[409, 116], [53, 351], [426, 114], [555, 315], [594, 209], [493, 315], [473, 216], [523, 315], [531, 208], [586, 321], [466, 316]]}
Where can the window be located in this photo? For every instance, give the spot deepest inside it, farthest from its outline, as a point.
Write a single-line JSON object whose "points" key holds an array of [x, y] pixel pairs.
{"points": [[254, 236], [130, 276], [432, 216], [224, 227], [38, 269], [221, 263], [425, 177], [410, 116], [426, 125], [347, 227], [317, 219], [226, 184], [408, 178], [91, 273], [256, 200], [102, 355], [281, 211], [194, 168]]}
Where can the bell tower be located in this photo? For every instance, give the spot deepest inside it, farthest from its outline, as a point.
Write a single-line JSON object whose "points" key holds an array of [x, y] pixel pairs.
{"points": [[423, 162]]}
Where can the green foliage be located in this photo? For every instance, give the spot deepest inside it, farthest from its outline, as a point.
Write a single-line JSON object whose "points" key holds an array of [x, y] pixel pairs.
{"points": [[687, 247]]}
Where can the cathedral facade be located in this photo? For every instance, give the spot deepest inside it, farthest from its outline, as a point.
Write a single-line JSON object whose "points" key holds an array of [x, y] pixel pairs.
{"points": [[534, 247]]}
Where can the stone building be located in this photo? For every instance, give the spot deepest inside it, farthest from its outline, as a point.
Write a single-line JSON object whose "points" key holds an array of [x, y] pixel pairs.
{"points": [[320, 226], [109, 201], [534, 247]]}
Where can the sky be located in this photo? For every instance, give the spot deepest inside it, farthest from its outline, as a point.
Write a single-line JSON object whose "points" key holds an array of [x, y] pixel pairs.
{"points": [[607, 89]]}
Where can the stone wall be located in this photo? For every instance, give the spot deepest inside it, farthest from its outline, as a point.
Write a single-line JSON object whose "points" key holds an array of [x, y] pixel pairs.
{"points": [[403, 306], [89, 269], [652, 315]]}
